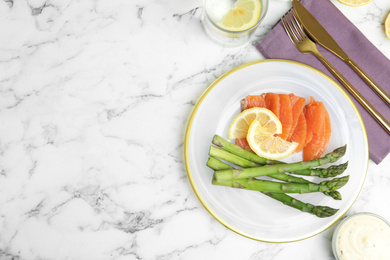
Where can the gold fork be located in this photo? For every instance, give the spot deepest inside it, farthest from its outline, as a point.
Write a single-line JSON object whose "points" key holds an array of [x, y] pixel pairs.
{"points": [[305, 45]]}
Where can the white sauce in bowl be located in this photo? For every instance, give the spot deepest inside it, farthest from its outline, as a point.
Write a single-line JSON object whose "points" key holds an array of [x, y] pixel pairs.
{"points": [[362, 236]]}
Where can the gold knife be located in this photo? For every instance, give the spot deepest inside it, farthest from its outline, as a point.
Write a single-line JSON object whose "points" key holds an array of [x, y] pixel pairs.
{"points": [[320, 35]]}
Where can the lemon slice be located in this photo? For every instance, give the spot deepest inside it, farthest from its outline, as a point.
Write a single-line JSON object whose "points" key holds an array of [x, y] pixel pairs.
{"points": [[243, 16], [266, 145], [387, 26], [240, 124], [355, 2]]}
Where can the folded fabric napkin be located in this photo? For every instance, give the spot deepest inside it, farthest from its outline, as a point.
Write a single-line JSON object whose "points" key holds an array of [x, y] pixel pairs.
{"points": [[277, 45]]}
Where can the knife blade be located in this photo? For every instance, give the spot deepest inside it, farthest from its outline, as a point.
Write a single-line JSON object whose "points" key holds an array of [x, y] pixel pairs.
{"points": [[316, 31], [321, 36]]}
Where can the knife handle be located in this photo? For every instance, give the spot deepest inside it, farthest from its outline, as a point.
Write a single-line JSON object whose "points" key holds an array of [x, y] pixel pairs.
{"points": [[370, 82], [373, 112]]}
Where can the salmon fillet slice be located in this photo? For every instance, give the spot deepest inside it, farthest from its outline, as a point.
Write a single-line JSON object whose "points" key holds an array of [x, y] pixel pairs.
{"points": [[328, 131], [299, 134], [272, 103], [252, 101], [297, 104], [285, 115], [315, 114]]}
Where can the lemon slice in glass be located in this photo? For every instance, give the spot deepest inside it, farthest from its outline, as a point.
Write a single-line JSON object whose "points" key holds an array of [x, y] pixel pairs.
{"points": [[243, 16], [387, 26], [240, 124], [266, 145], [355, 2]]}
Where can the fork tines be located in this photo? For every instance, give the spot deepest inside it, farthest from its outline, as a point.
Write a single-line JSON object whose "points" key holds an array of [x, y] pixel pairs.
{"points": [[293, 27]]}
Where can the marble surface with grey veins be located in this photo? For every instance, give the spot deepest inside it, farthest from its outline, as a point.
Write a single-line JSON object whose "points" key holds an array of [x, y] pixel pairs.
{"points": [[95, 98]]}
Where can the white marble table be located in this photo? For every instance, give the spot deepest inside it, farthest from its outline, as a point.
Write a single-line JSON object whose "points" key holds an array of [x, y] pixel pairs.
{"points": [[94, 102]]}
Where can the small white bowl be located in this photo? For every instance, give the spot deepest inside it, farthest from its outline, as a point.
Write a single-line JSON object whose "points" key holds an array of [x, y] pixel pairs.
{"points": [[369, 232]]}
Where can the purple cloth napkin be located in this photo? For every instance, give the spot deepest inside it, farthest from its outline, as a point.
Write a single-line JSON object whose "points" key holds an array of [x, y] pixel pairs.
{"points": [[277, 45]]}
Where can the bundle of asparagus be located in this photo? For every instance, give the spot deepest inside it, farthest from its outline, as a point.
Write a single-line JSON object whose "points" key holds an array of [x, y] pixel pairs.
{"points": [[253, 166]]}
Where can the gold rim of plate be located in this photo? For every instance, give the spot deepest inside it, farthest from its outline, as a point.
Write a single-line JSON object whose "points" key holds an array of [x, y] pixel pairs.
{"points": [[187, 134]]}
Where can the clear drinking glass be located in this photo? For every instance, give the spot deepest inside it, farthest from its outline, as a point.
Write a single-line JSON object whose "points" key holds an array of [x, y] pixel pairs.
{"points": [[213, 13]]}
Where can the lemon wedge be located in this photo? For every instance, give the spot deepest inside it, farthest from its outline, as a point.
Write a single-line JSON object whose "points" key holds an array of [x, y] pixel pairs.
{"points": [[387, 26], [269, 121], [355, 2], [266, 145], [243, 16]]}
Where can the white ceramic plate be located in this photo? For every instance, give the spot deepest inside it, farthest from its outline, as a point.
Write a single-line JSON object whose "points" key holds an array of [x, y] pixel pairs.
{"points": [[251, 213]]}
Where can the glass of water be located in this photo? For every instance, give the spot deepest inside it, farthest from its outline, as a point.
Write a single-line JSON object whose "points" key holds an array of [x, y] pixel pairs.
{"points": [[231, 23]]}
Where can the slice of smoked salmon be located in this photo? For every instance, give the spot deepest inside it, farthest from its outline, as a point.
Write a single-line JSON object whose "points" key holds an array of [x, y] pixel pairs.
{"points": [[315, 114], [285, 115], [297, 104], [252, 101], [272, 103], [243, 143], [328, 131], [299, 134], [313, 149]]}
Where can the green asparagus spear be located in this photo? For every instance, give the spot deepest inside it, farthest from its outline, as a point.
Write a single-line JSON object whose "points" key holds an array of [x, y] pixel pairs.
{"points": [[246, 173], [224, 155], [319, 211], [288, 178], [217, 165], [237, 150], [331, 171], [281, 187]]}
